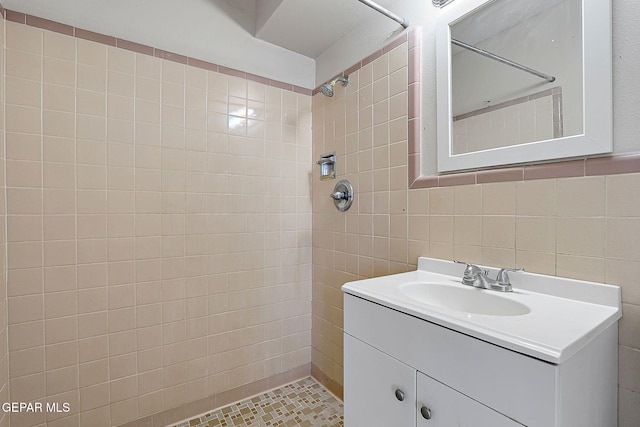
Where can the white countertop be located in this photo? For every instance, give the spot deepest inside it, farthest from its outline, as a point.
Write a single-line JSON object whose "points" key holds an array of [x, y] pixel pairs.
{"points": [[565, 314]]}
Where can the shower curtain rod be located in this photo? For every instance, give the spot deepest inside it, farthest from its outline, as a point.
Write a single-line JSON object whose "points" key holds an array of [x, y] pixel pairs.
{"points": [[503, 60], [386, 12]]}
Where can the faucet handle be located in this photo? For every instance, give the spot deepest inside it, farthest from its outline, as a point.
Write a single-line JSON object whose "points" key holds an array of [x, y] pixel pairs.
{"points": [[472, 270], [503, 277]]}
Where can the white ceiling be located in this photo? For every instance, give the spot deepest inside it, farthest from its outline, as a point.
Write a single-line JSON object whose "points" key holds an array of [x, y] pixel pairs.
{"points": [[310, 27], [228, 32]]}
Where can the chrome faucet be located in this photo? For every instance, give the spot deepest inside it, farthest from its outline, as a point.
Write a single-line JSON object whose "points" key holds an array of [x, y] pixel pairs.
{"points": [[479, 278]]}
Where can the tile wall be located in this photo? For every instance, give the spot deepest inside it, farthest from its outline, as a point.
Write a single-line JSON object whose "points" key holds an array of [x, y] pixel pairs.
{"points": [[159, 231], [582, 227], [366, 124]]}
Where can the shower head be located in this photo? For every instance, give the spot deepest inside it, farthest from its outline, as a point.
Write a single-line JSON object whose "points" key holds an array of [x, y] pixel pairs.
{"points": [[327, 88]]}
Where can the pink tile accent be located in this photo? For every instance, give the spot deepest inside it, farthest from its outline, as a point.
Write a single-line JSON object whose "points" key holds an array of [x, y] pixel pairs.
{"points": [[500, 175], [316, 91], [414, 136], [613, 165], [413, 37], [57, 27], [457, 179], [281, 85], [258, 79], [397, 42], [18, 17], [355, 67], [134, 47], [231, 72], [375, 55], [414, 65], [202, 64], [95, 37], [302, 90], [425, 182], [413, 168], [170, 56], [555, 170], [414, 100]]}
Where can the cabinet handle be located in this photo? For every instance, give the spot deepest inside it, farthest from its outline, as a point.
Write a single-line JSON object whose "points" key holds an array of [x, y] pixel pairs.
{"points": [[426, 413], [399, 394]]}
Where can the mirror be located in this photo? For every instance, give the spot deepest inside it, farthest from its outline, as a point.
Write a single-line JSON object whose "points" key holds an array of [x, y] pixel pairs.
{"points": [[522, 81]]}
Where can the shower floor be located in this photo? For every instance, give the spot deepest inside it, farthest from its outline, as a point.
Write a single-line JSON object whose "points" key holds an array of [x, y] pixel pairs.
{"points": [[303, 403]]}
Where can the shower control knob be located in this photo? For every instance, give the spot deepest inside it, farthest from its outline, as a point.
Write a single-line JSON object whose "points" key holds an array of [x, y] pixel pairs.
{"points": [[342, 195], [425, 412], [399, 394]]}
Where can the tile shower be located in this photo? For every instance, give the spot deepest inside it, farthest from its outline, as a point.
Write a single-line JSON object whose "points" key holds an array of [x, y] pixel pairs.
{"points": [[159, 232]]}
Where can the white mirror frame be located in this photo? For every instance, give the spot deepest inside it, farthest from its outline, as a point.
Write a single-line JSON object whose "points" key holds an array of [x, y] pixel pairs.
{"points": [[597, 101]]}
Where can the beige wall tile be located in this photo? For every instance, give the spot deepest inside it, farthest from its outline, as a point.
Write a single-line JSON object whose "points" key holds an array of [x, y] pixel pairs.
{"points": [[24, 38], [536, 234], [94, 396], [57, 175], [24, 228], [23, 147], [23, 92], [60, 304], [581, 197], [629, 360], [24, 65], [620, 242], [62, 380], [120, 83], [26, 335], [91, 78], [583, 268], [59, 150], [61, 329], [27, 362], [61, 355], [92, 373], [24, 255], [23, 119], [441, 201], [621, 202], [59, 46], [90, 102], [60, 278], [58, 72], [536, 198], [580, 236], [60, 98], [499, 231]]}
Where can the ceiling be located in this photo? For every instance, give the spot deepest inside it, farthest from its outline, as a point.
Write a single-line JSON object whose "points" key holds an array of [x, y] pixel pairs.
{"points": [[307, 27], [310, 27]]}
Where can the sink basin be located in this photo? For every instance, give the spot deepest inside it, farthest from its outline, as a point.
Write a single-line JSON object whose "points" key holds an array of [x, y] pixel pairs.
{"points": [[466, 299]]}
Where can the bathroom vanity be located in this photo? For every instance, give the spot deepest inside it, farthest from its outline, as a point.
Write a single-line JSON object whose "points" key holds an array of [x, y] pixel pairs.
{"points": [[422, 349]]}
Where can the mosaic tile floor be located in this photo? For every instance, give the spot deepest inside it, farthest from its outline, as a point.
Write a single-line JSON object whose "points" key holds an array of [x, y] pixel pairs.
{"points": [[304, 403]]}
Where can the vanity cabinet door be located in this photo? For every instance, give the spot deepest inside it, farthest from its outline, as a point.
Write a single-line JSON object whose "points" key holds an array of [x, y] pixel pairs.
{"points": [[442, 406], [379, 391]]}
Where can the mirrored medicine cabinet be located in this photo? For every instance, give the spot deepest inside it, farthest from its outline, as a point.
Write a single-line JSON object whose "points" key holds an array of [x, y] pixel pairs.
{"points": [[522, 81]]}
